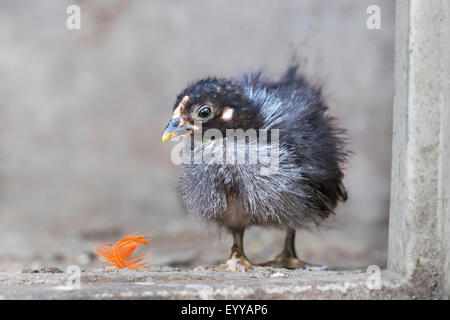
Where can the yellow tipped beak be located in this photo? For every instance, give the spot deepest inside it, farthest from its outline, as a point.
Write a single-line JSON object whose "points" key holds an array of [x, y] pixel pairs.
{"points": [[174, 130], [166, 136]]}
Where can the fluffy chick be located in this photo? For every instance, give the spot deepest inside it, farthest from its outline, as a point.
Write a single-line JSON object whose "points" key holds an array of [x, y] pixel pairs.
{"points": [[229, 118]]}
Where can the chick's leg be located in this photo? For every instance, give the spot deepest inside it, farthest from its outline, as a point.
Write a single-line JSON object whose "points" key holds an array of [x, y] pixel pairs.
{"points": [[288, 257], [238, 260]]}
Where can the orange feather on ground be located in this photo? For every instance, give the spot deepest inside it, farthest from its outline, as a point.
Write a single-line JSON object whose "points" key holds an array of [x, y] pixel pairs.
{"points": [[119, 255]]}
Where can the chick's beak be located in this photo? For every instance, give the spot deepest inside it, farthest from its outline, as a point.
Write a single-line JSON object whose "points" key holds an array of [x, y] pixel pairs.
{"points": [[175, 129]]}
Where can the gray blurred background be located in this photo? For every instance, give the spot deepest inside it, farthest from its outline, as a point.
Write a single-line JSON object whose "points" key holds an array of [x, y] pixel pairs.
{"points": [[82, 112]]}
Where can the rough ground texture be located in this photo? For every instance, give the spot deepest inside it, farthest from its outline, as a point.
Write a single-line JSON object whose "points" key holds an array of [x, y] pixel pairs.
{"points": [[174, 283]]}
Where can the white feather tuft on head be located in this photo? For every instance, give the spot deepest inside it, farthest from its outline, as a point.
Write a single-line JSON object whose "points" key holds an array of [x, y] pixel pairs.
{"points": [[227, 115]]}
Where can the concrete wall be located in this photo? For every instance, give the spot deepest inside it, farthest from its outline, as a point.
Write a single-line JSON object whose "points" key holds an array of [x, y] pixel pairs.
{"points": [[81, 116], [444, 166], [420, 212]]}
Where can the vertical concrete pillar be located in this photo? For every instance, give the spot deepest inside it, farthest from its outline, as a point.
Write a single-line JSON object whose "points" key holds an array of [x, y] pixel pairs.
{"points": [[444, 183], [419, 231]]}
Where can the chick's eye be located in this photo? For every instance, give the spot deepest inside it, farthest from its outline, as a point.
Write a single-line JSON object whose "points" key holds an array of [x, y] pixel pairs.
{"points": [[204, 112]]}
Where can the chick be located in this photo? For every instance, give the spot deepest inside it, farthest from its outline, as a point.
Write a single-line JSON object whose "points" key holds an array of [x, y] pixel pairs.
{"points": [[228, 122]]}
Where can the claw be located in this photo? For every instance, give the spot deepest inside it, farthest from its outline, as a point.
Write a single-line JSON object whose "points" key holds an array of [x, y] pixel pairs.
{"points": [[236, 264], [293, 263], [288, 258]]}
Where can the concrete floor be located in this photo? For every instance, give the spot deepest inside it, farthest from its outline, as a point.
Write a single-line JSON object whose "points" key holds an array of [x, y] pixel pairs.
{"points": [[176, 283]]}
